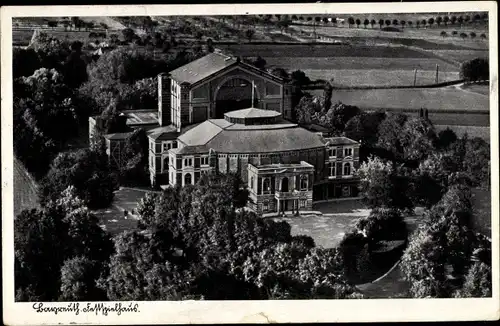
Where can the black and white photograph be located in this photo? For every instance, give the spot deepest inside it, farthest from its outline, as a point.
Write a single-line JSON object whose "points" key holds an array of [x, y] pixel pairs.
{"points": [[262, 154]]}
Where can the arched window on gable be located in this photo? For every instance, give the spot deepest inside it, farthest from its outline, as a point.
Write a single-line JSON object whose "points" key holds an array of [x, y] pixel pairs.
{"points": [[347, 169]]}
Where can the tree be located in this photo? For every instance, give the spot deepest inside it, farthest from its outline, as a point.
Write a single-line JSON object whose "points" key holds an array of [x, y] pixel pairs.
{"points": [[299, 78], [423, 22], [381, 186], [475, 69], [403, 23], [128, 34], [79, 277], [373, 22], [467, 18], [260, 63], [410, 23], [443, 34], [446, 138], [87, 170], [389, 132], [395, 22], [387, 22], [383, 224], [439, 20], [446, 20], [460, 20], [463, 36], [453, 19], [249, 33], [418, 23], [42, 101], [477, 283], [350, 21], [381, 23], [75, 68], [52, 23], [358, 22], [24, 62], [472, 35], [417, 138], [430, 21], [46, 239], [454, 33], [363, 127], [483, 36]]}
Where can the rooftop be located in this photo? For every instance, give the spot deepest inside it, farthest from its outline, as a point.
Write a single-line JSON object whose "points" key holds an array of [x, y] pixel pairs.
{"points": [[223, 136], [202, 68], [252, 113], [340, 141], [141, 117]]}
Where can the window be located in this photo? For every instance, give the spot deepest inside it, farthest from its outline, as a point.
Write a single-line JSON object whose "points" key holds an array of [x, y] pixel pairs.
{"points": [[346, 191], [302, 203], [188, 162], [332, 171], [174, 144], [347, 169], [171, 160], [165, 163], [152, 161], [187, 179], [251, 182], [332, 152], [347, 152], [265, 206], [266, 186], [204, 160], [167, 146], [303, 182]]}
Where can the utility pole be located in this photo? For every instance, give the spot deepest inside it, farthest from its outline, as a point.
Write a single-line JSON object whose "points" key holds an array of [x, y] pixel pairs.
{"points": [[253, 93], [437, 73], [415, 77]]}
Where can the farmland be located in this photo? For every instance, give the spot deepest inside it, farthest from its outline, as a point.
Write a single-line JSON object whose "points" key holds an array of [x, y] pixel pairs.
{"points": [[443, 99]]}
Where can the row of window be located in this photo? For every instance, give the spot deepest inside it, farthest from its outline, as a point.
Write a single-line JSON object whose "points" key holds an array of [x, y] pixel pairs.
{"points": [[332, 169], [284, 184], [169, 145], [265, 204], [332, 152]]}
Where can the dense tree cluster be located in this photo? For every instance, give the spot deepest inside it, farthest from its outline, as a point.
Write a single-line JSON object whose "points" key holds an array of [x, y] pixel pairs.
{"points": [[445, 257], [60, 252], [42, 101], [475, 70], [87, 170], [197, 243]]}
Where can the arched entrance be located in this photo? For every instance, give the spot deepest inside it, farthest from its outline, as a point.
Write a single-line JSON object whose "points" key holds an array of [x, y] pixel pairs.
{"points": [[234, 94]]}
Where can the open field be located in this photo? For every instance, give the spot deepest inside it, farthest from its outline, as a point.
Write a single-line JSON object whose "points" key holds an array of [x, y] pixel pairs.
{"points": [[379, 77], [462, 55], [430, 36], [320, 50], [447, 98], [384, 62], [472, 131]]}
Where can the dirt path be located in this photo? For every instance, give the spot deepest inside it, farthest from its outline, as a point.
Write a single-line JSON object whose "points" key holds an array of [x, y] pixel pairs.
{"points": [[25, 189]]}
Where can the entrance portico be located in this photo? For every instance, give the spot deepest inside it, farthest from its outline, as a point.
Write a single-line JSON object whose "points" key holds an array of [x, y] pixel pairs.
{"points": [[281, 187]]}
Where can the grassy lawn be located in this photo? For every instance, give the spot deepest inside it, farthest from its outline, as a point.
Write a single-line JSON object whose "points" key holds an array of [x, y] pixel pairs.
{"points": [[328, 229], [113, 218]]}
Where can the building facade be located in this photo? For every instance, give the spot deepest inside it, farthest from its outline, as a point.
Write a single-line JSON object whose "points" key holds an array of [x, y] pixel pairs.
{"points": [[218, 114], [215, 84], [285, 166]]}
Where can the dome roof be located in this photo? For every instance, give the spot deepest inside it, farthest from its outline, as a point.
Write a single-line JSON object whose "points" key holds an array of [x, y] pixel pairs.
{"points": [[252, 116]]}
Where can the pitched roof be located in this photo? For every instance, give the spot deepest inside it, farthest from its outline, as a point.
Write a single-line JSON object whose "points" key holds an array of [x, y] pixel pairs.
{"points": [[202, 68], [340, 141], [118, 136], [252, 113]]}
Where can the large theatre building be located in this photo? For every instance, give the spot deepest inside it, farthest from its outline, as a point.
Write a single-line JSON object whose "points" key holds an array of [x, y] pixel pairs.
{"points": [[284, 165], [218, 114]]}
